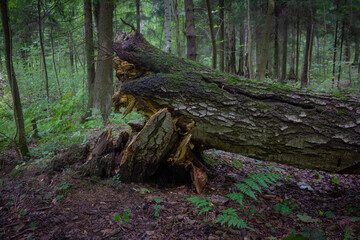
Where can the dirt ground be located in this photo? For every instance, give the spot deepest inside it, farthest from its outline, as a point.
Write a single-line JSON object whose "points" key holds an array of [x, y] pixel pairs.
{"points": [[39, 203]]}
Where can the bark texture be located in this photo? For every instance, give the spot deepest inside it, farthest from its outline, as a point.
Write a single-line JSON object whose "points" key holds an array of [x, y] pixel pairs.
{"points": [[190, 30], [18, 114], [304, 129]]}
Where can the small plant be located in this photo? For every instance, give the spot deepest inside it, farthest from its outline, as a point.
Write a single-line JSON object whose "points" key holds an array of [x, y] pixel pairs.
{"points": [[62, 190], [202, 203], [117, 217], [117, 181], [335, 180], [32, 225], [230, 217], [22, 212], [284, 208], [126, 217], [157, 207]]}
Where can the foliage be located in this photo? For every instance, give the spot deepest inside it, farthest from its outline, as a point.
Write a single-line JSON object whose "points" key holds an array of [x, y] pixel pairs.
{"points": [[230, 216], [203, 203], [157, 207], [117, 181]]}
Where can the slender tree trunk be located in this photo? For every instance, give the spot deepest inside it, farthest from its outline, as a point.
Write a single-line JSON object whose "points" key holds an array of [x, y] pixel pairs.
{"points": [[298, 37], [213, 40], [341, 54], [18, 114], [292, 59], [305, 80], [249, 42], [89, 48], [222, 36], [103, 77], [43, 52], [138, 15], [241, 49], [174, 7], [284, 51], [190, 30], [334, 55], [324, 44], [357, 51], [53, 61], [265, 45], [276, 49], [348, 45], [167, 25]]}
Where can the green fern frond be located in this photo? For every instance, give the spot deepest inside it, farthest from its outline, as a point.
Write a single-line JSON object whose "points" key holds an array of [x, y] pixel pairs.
{"points": [[251, 183], [258, 178], [246, 190], [230, 216], [236, 197]]}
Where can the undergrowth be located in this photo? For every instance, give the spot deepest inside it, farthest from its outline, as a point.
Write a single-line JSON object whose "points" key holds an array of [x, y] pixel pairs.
{"points": [[247, 187]]}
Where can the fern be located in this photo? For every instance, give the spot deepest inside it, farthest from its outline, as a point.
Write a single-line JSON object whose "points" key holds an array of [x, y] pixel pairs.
{"points": [[246, 190], [230, 216], [205, 204], [250, 182], [237, 197]]}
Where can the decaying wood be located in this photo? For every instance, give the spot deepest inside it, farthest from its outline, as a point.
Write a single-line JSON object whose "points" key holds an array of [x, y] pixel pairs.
{"points": [[300, 128]]}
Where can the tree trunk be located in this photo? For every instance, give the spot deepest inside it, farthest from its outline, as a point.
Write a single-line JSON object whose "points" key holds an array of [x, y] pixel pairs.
{"points": [[18, 114], [231, 41], [324, 44], [138, 15], [334, 54], [190, 30], [284, 51], [265, 44], [167, 25], [222, 111], [292, 75], [89, 49], [103, 77], [241, 49], [222, 36], [251, 73], [341, 52], [213, 40], [43, 52], [298, 38], [276, 49], [53, 61], [177, 26], [305, 77]]}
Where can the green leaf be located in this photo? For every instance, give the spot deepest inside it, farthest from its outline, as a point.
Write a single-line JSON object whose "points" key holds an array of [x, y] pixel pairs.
{"points": [[236, 196], [250, 182], [246, 190], [117, 217]]}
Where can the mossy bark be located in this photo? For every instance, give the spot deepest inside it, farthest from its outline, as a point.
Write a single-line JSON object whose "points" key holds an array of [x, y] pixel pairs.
{"points": [[272, 123]]}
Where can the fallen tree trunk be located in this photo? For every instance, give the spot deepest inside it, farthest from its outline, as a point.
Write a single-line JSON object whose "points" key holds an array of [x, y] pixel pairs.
{"points": [[300, 128]]}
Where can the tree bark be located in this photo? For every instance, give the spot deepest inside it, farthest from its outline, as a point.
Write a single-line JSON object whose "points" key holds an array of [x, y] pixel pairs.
{"points": [[212, 34], [276, 48], [284, 51], [241, 49], [324, 44], [334, 54], [174, 7], [190, 30], [89, 49], [43, 51], [222, 36], [341, 52], [251, 73], [103, 77], [299, 128], [18, 114], [138, 15], [305, 77], [231, 40], [53, 61], [167, 25], [265, 44], [298, 38]]}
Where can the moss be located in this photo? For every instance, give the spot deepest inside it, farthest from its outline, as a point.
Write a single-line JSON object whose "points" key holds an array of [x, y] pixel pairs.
{"points": [[264, 105]]}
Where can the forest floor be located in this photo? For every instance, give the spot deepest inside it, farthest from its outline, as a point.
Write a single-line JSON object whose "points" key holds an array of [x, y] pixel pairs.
{"points": [[37, 202]]}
